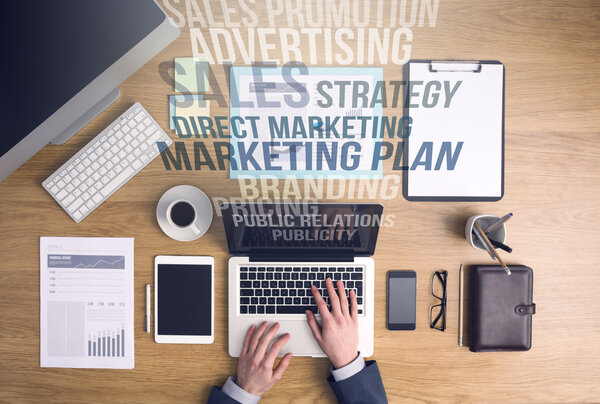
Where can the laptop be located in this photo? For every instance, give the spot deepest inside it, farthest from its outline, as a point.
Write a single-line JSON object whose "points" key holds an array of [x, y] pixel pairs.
{"points": [[279, 250]]}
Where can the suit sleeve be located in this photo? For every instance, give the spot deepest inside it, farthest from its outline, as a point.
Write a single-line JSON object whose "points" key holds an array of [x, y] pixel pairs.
{"points": [[365, 386], [218, 397]]}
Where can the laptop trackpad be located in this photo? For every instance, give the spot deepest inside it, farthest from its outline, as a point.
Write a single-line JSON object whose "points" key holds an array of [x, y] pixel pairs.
{"points": [[301, 341]]}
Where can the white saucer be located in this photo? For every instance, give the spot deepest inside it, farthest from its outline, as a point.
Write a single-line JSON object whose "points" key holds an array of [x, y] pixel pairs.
{"points": [[198, 199]]}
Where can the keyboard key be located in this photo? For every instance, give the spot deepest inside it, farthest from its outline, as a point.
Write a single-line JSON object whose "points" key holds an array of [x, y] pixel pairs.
{"points": [[244, 275], [270, 310], [260, 310], [113, 185], [254, 300], [262, 300], [258, 292], [245, 284], [61, 194], [256, 284], [356, 276], [291, 309], [246, 292], [280, 300], [243, 309], [288, 300], [68, 200], [251, 309], [75, 205]]}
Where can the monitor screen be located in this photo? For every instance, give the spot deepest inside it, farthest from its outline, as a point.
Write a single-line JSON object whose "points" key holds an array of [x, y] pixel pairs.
{"points": [[53, 49], [298, 227]]}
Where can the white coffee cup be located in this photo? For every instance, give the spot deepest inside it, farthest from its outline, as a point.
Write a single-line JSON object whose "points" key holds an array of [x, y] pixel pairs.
{"points": [[182, 214]]}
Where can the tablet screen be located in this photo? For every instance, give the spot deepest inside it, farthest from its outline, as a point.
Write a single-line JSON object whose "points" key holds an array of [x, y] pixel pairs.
{"points": [[184, 299]]}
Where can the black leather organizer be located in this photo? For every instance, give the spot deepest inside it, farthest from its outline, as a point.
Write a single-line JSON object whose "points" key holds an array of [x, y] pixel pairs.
{"points": [[501, 308]]}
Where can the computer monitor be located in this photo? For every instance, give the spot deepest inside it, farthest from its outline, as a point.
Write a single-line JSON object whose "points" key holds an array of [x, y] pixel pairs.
{"points": [[63, 62]]}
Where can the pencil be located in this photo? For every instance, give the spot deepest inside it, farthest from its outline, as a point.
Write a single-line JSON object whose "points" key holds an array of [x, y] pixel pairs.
{"points": [[487, 241], [461, 286]]}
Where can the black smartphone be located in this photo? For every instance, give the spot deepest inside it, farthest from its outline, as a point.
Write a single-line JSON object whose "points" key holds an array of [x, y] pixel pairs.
{"points": [[401, 300]]}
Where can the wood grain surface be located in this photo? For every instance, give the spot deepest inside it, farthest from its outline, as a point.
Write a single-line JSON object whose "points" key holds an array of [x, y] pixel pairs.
{"points": [[551, 50]]}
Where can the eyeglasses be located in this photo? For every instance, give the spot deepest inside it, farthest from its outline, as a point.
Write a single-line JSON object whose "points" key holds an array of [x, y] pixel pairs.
{"points": [[437, 313]]}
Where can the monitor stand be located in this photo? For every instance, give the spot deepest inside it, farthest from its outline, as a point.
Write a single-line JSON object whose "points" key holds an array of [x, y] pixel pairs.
{"points": [[87, 117]]}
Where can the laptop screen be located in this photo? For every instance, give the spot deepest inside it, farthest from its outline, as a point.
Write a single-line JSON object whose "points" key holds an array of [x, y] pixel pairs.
{"points": [[298, 228]]}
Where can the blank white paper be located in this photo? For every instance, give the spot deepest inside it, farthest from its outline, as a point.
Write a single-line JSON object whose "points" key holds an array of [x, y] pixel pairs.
{"points": [[475, 117]]}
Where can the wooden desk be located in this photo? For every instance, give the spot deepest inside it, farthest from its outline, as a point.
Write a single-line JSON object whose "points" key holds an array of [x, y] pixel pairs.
{"points": [[551, 51]]}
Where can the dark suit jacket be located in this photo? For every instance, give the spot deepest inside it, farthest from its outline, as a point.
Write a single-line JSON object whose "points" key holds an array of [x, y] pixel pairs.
{"points": [[364, 387]]}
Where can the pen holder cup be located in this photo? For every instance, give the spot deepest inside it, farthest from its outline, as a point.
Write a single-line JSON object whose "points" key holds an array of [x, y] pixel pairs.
{"points": [[484, 221]]}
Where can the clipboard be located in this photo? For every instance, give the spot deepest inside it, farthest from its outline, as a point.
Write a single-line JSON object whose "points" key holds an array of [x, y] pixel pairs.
{"points": [[454, 152]]}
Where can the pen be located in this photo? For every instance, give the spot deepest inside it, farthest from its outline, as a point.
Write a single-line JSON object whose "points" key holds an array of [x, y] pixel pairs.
{"points": [[485, 246], [147, 319], [487, 241], [460, 305], [498, 244], [498, 223]]}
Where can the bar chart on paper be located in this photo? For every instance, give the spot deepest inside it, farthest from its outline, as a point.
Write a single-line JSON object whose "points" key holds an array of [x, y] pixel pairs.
{"points": [[107, 343], [86, 287]]}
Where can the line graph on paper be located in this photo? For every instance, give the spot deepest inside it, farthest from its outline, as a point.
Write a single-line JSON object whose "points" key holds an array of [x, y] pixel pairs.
{"points": [[86, 261]]}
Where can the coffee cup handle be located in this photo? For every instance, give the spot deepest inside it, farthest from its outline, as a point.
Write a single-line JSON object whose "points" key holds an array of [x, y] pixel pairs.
{"points": [[195, 228]]}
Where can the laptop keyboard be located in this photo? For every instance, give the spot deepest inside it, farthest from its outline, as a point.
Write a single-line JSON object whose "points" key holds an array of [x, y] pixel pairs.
{"points": [[287, 290]]}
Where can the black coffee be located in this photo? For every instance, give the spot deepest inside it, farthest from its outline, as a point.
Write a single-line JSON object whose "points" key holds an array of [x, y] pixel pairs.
{"points": [[182, 214]]}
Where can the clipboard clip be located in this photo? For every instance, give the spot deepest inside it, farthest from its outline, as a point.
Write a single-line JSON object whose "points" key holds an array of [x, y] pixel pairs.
{"points": [[455, 66]]}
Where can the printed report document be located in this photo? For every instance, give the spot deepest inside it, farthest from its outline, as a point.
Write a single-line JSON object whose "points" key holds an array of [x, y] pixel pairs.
{"points": [[86, 302]]}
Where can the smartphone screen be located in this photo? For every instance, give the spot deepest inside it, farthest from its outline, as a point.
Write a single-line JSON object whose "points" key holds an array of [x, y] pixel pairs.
{"points": [[402, 300]]}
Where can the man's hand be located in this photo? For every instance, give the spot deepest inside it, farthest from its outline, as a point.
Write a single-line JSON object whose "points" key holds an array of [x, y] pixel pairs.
{"points": [[338, 334], [255, 372]]}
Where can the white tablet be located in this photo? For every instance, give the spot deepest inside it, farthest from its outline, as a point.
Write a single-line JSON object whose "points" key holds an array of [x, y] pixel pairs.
{"points": [[184, 300]]}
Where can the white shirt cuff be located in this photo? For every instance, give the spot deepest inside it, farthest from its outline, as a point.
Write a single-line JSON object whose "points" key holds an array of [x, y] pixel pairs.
{"points": [[349, 370], [237, 393]]}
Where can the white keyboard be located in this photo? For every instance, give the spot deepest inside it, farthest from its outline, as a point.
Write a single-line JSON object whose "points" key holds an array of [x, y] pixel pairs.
{"points": [[111, 159]]}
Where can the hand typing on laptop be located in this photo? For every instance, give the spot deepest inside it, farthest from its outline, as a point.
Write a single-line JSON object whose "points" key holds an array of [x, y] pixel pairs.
{"points": [[338, 334], [353, 380]]}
